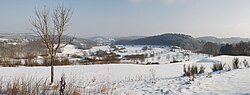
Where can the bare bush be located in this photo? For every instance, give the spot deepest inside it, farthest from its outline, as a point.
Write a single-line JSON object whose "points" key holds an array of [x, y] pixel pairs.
{"points": [[62, 85], [245, 63], [65, 61], [8, 63], [32, 86], [21, 87], [192, 71], [218, 67], [202, 69], [236, 63], [57, 61], [31, 63]]}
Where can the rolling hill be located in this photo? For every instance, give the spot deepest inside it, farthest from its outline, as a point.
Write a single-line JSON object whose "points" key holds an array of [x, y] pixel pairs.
{"points": [[169, 39], [230, 40]]}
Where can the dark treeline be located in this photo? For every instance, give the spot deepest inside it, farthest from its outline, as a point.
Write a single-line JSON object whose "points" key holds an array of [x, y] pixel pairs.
{"points": [[241, 48], [168, 39]]}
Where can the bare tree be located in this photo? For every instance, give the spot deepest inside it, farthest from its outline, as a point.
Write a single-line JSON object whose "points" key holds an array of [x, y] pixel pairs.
{"points": [[50, 27]]}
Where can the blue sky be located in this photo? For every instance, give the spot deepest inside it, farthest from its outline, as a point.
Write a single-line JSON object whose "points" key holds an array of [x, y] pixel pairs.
{"points": [[221, 18]]}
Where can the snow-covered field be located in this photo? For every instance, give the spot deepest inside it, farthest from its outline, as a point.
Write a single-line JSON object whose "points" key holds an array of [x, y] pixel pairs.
{"points": [[146, 79], [159, 54]]}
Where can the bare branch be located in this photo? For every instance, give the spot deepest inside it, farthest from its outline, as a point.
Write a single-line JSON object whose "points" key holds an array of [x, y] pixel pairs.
{"points": [[52, 35]]}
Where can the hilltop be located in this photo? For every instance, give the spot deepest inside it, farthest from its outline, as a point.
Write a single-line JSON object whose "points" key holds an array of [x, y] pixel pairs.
{"points": [[169, 39]]}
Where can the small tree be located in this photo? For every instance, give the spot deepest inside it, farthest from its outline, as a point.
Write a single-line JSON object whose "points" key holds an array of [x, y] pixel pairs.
{"points": [[236, 63], [51, 30]]}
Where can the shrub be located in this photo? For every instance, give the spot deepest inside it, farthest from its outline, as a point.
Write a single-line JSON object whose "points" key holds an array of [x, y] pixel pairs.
{"points": [[7, 64], [235, 63], [218, 67], [62, 85], [202, 69], [31, 63], [65, 61], [193, 70], [245, 63], [184, 70], [76, 56], [187, 71]]}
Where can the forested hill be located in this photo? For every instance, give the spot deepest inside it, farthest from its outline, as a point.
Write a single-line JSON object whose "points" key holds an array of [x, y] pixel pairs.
{"points": [[169, 39]]}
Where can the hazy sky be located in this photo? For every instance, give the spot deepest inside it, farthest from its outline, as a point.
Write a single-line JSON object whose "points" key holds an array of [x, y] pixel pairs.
{"points": [[221, 18]]}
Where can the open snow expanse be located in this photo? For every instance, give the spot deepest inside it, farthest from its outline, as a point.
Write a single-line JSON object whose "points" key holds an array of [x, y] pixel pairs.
{"points": [[146, 79]]}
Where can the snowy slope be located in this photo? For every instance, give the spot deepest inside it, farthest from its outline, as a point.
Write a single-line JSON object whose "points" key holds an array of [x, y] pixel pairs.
{"points": [[147, 79]]}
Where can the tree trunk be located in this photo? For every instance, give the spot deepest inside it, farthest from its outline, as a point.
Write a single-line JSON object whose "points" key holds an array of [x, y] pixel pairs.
{"points": [[52, 69]]}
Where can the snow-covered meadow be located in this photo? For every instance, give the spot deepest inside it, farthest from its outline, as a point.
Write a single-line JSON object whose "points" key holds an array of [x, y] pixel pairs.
{"points": [[145, 79], [152, 54]]}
